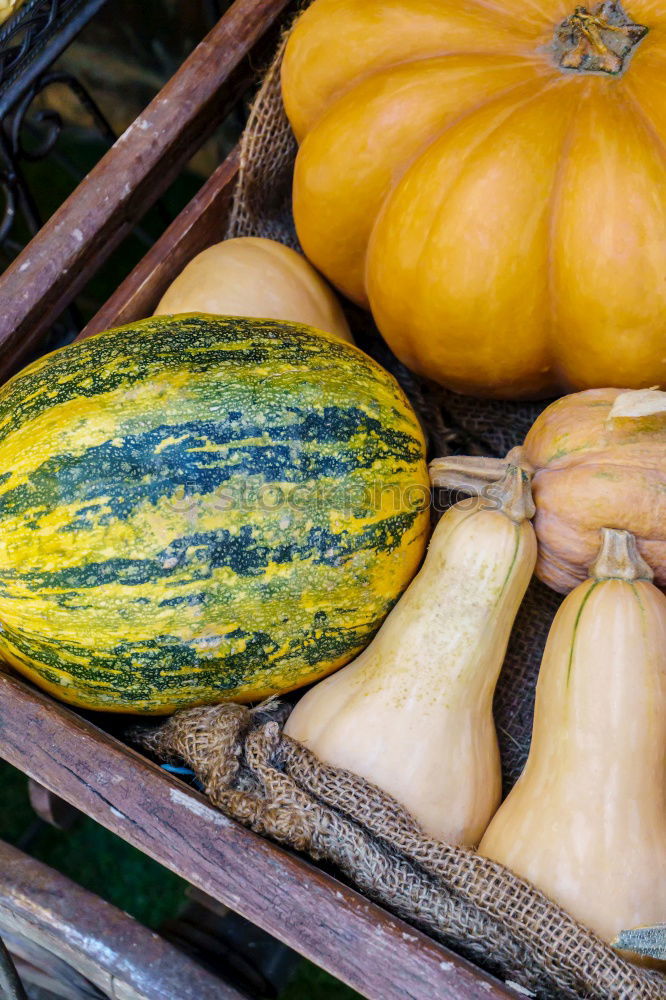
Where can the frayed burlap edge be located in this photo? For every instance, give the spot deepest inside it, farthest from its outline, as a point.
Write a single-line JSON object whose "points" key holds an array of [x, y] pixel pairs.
{"points": [[262, 198], [275, 786]]}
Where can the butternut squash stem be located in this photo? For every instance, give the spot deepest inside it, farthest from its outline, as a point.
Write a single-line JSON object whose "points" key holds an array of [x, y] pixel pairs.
{"points": [[473, 473], [597, 41], [467, 472], [514, 494], [503, 484], [619, 558]]}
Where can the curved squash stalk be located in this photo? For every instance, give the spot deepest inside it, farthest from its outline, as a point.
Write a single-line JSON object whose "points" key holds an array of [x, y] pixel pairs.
{"points": [[586, 822], [413, 713]]}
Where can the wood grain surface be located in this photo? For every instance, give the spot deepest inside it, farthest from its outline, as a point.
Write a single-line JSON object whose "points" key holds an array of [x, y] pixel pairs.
{"points": [[108, 203], [106, 946], [199, 225], [362, 944]]}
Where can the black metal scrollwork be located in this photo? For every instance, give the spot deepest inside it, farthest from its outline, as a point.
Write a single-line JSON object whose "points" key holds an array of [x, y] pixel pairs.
{"points": [[30, 41], [28, 135], [31, 30], [26, 30]]}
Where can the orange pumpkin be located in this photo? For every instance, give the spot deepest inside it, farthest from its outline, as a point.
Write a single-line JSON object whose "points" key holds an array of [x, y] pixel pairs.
{"points": [[598, 459], [490, 178]]}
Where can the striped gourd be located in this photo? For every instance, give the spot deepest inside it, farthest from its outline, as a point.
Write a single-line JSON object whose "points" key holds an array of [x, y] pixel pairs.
{"points": [[200, 509]]}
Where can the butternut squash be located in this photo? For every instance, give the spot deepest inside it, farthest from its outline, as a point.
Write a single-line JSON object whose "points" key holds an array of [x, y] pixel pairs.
{"points": [[413, 712], [259, 278], [586, 822]]}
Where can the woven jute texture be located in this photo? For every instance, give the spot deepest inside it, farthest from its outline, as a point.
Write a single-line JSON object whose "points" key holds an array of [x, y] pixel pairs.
{"points": [[275, 786]]}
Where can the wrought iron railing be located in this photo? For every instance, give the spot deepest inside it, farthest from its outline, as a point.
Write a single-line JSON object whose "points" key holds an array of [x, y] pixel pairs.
{"points": [[30, 42]]}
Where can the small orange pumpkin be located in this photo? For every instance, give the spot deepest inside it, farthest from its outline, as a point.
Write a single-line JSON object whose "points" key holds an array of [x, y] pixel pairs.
{"points": [[491, 179], [598, 459]]}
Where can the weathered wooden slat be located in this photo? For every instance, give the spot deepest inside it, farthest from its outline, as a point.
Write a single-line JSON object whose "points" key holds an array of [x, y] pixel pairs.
{"points": [[108, 203], [99, 941], [201, 223], [379, 955], [50, 975]]}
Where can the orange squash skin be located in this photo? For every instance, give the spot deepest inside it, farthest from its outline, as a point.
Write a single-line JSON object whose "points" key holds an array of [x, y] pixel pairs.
{"points": [[590, 473], [504, 218]]}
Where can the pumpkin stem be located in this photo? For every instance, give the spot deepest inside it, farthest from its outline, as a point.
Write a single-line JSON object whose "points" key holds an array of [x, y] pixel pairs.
{"points": [[600, 41], [638, 404], [619, 558]]}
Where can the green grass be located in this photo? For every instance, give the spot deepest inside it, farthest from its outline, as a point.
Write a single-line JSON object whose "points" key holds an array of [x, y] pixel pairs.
{"points": [[107, 866], [311, 983]]}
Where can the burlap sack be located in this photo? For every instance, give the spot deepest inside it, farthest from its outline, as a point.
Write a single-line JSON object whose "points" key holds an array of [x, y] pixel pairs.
{"points": [[275, 786]]}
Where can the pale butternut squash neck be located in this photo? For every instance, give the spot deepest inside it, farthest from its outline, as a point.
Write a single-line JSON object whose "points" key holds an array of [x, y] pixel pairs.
{"points": [[597, 41], [619, 558]]}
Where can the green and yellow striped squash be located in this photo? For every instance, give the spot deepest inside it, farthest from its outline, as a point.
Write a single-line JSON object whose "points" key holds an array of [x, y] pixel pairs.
{"points": [[197, 509]]}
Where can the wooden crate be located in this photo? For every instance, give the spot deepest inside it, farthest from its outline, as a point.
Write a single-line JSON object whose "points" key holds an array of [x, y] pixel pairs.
{"points": [[380, 956], [70, 936]]}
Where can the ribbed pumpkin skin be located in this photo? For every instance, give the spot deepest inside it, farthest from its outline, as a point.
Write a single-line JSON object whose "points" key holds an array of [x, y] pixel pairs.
{"points": [[201, 509], [591, 471], [502, 216]]}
